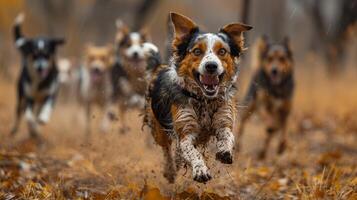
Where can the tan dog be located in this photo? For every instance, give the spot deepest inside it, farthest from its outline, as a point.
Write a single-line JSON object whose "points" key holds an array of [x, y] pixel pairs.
{"points": [[95, 84], [271, 90]]}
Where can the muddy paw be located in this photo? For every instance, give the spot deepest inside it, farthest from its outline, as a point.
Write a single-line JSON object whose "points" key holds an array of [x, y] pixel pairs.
{"points": [[225, 157], [201, 174]]}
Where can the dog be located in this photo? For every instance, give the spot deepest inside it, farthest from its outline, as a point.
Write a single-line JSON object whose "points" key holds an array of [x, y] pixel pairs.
{"points": [[135, 55], [38, 82], [271, 90], [95, 84], [192, 99]]}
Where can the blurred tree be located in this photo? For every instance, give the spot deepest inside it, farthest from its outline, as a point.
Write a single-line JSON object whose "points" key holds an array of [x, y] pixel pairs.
{"points": [[332, 37]]}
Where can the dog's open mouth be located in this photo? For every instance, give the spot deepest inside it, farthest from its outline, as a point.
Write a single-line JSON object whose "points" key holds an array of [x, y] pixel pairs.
{"points": [[96, 75], [209, 83]]}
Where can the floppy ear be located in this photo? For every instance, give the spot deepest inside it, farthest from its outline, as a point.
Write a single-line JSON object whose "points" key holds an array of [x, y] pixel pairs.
{"points": [[235, 32], [122, 30]]}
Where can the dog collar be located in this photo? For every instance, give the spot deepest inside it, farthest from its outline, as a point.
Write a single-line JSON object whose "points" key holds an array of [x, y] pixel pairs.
{"points": [[190, 94]]}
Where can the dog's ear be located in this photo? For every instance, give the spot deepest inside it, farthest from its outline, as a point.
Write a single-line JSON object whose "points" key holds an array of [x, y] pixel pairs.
{"points": [[144, 32], [262, 44], [183, 30], [235, 32], [258, 50], [122, 30], [88, 47], [58, 41], [286, 44], [183, 26]]}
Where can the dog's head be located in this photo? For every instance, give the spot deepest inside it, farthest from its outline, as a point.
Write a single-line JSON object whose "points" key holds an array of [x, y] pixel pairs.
{"points": [[39, 53], [130, 45], [207, 61], [98, 60], [275, 59]]}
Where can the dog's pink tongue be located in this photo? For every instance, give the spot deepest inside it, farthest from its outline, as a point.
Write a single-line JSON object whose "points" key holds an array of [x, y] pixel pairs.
{"points": [[209, 79], [44, 73]]}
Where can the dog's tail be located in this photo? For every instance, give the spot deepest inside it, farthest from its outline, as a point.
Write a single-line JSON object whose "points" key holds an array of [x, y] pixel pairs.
{"points": [[19, 38], [258, 47]]}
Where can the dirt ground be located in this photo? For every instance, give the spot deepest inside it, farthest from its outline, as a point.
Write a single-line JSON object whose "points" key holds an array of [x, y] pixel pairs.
{"points": [[320, 162]]}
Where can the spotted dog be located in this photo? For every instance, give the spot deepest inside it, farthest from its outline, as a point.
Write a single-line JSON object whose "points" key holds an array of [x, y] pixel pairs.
{"points": [[95, 84], [134, 56], [38, 82], [192, 99], [271, 90]]}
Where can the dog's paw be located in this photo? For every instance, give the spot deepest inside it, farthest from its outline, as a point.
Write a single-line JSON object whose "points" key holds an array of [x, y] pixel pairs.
{"points": [[201, 174], [225, 157]]}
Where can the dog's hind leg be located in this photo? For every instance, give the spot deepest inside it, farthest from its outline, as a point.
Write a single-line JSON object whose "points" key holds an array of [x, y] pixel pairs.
{"points": [[20, 109], [124, 128], [170, 168]]}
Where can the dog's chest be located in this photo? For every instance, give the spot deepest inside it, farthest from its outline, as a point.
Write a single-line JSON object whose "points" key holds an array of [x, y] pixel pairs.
{"points": [[32, 89], [268, 103], [205, 112], [136, 76]]}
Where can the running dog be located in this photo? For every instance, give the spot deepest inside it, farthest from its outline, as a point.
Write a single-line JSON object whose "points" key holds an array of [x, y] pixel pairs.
{"points": [[95, 84], [134, 55], [271, 91], [38, 82], [192, 99]]}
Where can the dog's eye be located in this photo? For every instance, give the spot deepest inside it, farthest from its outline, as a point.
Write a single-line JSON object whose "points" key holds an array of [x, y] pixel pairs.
{"points": [[197, 52], [222, 52]]}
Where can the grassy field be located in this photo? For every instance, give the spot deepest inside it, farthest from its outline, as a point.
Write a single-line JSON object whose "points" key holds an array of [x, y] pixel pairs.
{"points": [[320, 162]]}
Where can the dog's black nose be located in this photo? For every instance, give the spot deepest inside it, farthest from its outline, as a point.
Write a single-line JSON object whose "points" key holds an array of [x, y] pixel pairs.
{"points": [[136, 55], [96, 70], [211, 67], [274, 71]]}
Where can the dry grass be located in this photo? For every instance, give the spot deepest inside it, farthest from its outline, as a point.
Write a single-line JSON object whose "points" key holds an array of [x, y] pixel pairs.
{"points": [[320, 162]]}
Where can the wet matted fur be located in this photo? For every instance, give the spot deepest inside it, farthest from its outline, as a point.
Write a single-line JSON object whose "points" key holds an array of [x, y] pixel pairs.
{"points": [[192, 99]]}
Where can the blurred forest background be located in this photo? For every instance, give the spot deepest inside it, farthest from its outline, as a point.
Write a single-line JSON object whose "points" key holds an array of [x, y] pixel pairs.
{"points": [[325, 29], [320, 162]]}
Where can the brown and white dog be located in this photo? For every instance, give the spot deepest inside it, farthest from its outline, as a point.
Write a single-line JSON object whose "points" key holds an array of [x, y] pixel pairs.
{"points": [[192, 99], [134, 55], [95, 84], [271, 90]]}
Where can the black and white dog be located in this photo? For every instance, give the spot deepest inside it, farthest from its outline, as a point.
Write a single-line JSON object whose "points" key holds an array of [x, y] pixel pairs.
{"points": [[38, 82]]}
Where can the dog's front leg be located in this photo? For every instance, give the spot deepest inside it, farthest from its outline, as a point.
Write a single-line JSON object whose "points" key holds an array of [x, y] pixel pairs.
{"points": [[46, 110], [30, 118], [223, 124], [191, 155], [186, 126]]}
